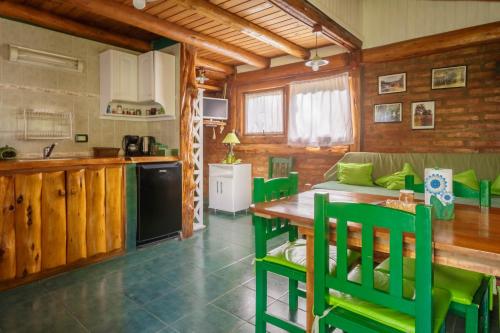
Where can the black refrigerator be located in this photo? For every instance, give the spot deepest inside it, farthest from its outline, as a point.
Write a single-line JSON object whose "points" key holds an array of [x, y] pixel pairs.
{"points": [[159, 206]]}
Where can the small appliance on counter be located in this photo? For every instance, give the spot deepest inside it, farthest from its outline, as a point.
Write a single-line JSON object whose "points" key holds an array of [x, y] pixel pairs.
{"points": [[130, 145], [147, 145], [8, 153]]}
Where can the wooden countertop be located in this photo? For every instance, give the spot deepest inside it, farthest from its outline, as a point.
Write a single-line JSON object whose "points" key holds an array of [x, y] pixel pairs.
{"points": [[51, 163]]}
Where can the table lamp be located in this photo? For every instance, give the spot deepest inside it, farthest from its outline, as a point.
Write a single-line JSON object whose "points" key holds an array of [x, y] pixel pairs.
{"points": [[231, 139]]}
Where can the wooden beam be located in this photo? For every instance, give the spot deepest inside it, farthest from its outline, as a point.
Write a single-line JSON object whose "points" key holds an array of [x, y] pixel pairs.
{"points": [[47, 20], [213, 75], [142, 20], [486, 33], [209, 87], [238, 23], [214, 66], [311, 16]]}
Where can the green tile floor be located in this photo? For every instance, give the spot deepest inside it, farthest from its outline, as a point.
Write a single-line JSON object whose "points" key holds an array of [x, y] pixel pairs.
{"points": [[202, 285]]}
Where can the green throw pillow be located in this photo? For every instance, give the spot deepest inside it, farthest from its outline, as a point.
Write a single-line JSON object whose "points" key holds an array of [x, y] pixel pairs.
{"points": [[396, 181], [355, 173], [495, 187], [467, 178]]}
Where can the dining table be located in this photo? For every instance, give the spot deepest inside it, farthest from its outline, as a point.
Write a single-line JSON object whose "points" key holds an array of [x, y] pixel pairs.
{"points": [[471, 240]]}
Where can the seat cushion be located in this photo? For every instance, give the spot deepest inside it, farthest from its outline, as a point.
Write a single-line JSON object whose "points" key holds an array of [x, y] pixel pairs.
{"points": [[460, 283], [387, 316], [293, 255]]}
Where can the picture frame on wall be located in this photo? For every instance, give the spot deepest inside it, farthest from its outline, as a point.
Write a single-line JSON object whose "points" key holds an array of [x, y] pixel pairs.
{"points": [[449, 77], [393, 83], [422, 115], [388, 113]]}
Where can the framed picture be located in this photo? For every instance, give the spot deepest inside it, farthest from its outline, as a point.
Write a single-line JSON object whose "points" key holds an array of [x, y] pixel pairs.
{"points": [[449, 77], [422, 115], [394, 83], [388, 113]]}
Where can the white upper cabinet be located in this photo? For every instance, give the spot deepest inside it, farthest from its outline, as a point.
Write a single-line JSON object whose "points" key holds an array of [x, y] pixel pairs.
{"points": [[137, 87], [157, 80]]}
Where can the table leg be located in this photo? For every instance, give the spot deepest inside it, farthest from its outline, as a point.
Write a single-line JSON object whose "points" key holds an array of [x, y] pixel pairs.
{"points": [[309, 282]]}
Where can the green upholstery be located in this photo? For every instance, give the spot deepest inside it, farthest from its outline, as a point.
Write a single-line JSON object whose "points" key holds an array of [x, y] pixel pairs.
{"points": [[495, 186], [377, 190], [388, 316], [396, 181], [467, 178], [460, 283], [484, 164], [293, 255], [355, 173]]}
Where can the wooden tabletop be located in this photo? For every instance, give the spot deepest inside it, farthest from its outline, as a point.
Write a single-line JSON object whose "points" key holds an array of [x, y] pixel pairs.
{"points": [[470, 241]]}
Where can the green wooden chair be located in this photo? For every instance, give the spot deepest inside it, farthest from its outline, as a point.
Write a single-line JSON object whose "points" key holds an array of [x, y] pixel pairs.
{"points": [[366, 300], [279, 166], [483, 196], [288, 260], [472, 293]]}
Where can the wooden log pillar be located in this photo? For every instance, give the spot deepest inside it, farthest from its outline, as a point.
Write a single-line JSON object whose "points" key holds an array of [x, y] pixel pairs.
{"points": [[76, 215], [96, 211], [188, 93], [28, 189], [53, 219], [7, 229], [114, 205]]}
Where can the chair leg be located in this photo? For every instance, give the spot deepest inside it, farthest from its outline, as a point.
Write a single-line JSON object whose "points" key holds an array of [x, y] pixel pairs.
{"points": [[261, 301], [472, 319], [322, 326], [293, 294], [443, 327], [486, 311]]}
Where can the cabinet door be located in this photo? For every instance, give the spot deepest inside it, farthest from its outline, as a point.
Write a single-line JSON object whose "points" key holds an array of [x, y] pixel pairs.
{"points": [[127, 64], [76, 215], [7, 229], [165, 81], [114, 205], [213, 193], [96, 213], [53, 219], [146, 77], [226, 197], [28, 189]]}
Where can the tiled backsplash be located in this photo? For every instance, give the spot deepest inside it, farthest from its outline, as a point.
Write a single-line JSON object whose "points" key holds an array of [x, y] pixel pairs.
{"points": [[33, 87]]}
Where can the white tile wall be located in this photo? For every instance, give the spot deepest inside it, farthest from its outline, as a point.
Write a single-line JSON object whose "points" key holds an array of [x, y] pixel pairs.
{"points": [[28, 86]]}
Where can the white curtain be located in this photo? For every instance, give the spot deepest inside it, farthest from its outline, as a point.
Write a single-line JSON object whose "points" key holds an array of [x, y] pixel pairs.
{"points": [[320, 112], [264, 112]]}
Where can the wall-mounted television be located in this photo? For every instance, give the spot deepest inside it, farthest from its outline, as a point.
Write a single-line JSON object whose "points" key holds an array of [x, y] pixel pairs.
{"points": [[214, 108]]}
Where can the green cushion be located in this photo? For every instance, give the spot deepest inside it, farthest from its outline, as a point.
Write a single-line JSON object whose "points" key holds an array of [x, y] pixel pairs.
{"points": [[495, 187], [355, 173], [396, 181], [388, 316], [293, 255], [460, 283], [467, 178]]}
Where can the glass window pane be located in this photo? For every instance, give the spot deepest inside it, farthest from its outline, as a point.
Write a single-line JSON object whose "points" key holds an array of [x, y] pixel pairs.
{"points": [[264, 112]]}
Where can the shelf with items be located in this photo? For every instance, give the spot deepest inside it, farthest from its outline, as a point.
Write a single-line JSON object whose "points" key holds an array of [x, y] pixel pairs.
{"points": [[214, 124], [134, 111]]}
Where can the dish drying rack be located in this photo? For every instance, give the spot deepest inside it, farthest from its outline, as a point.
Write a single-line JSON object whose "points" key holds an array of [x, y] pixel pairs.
{"points": [[47, 125]]}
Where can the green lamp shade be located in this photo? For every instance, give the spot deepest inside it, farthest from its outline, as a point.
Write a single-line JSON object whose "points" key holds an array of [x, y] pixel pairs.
{"points": [[231, 138]]}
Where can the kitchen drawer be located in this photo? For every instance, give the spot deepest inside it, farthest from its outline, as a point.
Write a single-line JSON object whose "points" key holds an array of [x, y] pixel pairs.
{"points": [[221, 171]]}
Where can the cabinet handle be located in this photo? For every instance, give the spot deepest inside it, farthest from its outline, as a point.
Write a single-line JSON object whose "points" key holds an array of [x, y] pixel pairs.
{"points": [[217, 187], [220, 187]]}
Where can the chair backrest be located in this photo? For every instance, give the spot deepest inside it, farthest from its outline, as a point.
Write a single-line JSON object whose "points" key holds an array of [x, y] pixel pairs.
{"points": [[265, 191], [279, 166], [369, 217], [483, 195]]}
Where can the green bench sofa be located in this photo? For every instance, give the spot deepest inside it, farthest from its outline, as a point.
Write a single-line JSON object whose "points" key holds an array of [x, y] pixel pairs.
{"points": [[486, 166]]}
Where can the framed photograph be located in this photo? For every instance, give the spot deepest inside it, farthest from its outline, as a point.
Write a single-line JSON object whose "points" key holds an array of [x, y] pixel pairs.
{"points": [[422, 115], [390, 84], [388, 113], [449, 77]]}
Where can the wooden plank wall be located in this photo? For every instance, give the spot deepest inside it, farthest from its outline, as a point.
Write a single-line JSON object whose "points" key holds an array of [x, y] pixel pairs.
{"points": [[467, 119]]}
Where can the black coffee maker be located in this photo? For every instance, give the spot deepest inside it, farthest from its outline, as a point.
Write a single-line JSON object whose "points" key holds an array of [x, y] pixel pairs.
{"points": [[130, 145]]}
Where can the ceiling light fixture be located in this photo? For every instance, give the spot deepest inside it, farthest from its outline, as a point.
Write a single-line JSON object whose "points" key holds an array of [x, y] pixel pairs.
{"points": [[316, 62], [141, 4], [201, 78]]}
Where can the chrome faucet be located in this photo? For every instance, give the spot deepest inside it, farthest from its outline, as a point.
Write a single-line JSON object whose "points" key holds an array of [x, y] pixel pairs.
{"points": [[47, 151]]}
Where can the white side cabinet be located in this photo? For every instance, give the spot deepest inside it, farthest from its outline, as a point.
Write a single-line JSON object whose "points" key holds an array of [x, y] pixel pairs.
{"points": [[230, 187]]}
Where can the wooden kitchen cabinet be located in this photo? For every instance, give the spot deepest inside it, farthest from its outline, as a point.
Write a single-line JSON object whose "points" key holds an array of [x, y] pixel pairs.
{"points": [[76, 199], [7, 229], [96, 211]]}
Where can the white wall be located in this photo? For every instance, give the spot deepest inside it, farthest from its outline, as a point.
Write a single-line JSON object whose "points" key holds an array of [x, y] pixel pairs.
{"points": [[347, 13], [390, 21]]}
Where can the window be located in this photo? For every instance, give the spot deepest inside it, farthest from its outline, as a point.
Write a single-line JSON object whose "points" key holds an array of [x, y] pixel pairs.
{"points": [[320, 112], [264, 112]]}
